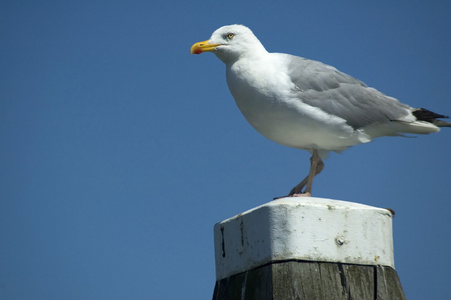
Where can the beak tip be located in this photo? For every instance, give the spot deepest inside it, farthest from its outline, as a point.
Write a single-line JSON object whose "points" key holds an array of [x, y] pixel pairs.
{"points": [[196, 49], [202, 47]]}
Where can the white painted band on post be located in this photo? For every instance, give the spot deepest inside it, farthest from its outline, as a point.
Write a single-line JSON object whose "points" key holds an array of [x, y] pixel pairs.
{"points": [[303, 228]]}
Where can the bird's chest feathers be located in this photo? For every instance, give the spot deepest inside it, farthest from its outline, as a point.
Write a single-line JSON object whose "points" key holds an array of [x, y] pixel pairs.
{"points": [[253, 82], [262, 94], [267, 98]]}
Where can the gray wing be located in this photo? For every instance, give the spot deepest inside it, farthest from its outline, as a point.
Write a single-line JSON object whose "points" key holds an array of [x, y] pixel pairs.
{"points": [[339, 94]]}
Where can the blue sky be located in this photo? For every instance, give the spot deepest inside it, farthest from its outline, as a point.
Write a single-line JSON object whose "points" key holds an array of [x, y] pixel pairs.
{"points": [[120, 151]]}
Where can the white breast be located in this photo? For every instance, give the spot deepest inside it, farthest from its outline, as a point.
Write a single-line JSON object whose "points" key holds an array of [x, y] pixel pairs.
{"points": [[265, 97]]}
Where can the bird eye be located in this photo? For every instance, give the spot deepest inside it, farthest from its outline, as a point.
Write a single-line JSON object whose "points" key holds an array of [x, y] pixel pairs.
{"points": [[230, 36]]}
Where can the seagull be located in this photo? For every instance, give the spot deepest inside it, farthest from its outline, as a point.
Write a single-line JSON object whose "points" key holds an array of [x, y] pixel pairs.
{"points": [[308, 105]]}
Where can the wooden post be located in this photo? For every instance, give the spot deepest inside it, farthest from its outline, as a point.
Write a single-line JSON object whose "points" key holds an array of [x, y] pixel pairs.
{"points": [[306, 248]]}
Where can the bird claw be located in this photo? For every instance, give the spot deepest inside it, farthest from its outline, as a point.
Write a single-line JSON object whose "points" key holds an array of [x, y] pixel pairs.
{"points": [[302, 195], [294, 195]]}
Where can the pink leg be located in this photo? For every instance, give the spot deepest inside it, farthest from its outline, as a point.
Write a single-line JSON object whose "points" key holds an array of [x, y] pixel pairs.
{"points": [[316, 166]]}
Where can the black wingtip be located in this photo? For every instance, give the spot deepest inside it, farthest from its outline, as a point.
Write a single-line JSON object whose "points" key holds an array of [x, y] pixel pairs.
{"points": [[423, 114]]}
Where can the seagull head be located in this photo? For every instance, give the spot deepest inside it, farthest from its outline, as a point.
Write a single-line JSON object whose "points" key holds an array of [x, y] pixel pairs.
{"points": [[230, 43]]}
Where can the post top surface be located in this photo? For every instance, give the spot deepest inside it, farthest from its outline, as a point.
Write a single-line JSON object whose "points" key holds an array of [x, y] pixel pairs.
{"points": [[304, 228], [314, 202]]}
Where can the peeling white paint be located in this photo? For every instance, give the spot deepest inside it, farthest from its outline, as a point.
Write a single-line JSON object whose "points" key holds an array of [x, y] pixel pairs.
{"points": [[304, 228]]}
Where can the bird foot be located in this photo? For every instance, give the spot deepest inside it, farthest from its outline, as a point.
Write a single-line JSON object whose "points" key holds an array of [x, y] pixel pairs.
{"points": [[294, 195], [302, 195]]}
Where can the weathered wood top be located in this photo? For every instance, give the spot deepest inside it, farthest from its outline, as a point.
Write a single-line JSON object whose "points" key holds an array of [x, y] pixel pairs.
{"points": [[303, 280]]}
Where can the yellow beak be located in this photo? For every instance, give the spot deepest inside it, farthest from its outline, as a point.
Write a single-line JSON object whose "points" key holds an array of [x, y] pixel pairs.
{"points": [[204, 46]]}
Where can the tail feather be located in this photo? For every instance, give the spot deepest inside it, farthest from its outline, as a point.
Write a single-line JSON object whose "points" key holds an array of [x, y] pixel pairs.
{"points": [[441, 123], [426, 122]]}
